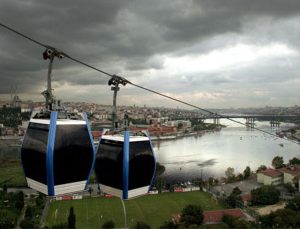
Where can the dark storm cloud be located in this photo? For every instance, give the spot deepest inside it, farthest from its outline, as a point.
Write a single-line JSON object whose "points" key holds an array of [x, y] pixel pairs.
{"points": [[127, 37]]}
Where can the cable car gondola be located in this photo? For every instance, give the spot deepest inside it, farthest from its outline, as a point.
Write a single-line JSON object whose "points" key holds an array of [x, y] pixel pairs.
{"points": [[125, 164], [57, 153]]}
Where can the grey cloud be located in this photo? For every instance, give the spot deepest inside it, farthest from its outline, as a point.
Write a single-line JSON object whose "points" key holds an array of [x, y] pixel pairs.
{"points": [[130, 36]]}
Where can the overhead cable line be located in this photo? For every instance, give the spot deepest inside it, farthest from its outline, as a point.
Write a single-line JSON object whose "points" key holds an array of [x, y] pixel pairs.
{"points": [[138, 86]]}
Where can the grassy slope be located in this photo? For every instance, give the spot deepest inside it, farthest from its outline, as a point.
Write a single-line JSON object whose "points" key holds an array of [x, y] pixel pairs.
{"points": [[11, 172], [151, 209]]}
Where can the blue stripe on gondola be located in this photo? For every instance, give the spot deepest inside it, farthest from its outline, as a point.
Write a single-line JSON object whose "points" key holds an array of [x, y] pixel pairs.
{"points": [[154, 156], [94, 152], [21, 153], [50, 153], [125, 164]]}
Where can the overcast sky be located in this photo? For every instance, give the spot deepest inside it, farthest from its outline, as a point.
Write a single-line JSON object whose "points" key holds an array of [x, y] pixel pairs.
{"points": [[214, 54]]}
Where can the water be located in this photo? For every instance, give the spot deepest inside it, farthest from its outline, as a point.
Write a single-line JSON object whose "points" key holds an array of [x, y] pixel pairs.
{"points": [[211, 154]]}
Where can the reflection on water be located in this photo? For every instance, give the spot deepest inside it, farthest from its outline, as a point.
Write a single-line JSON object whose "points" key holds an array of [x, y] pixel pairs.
{"points": [[211, 154]]}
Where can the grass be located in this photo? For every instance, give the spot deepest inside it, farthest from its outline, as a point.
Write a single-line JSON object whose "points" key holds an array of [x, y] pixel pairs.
{"points": [[151, 209], [11, 173]]}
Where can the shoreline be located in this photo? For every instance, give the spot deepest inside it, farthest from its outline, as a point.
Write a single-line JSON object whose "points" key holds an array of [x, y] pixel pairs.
{"points": [[182, 135]]}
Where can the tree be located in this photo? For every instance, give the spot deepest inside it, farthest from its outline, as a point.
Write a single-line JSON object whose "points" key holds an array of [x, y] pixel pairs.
{"points": [[19, 200], [229, 220], [90, 191], [266, 194], [29, 213], [230, 173], [39, 201], [294, 204], [283, 218], [210, 181], [141, 225], [278, 162], [192, 215], [7, 219], [239, 177], [71, 219], [242, 224], [108, 224], [5, 188], [168, 225], [27, 223], [180, 126], [159, 184], [261, 168], [247, 172], [294, 161], [234, 197], [290, 188]]}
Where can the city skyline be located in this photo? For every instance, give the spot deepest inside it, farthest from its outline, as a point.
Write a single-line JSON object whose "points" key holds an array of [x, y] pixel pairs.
{"points": [[234, 54]]}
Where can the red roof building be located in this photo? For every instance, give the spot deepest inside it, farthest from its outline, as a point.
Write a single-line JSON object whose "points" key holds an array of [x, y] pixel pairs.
{"points": [[214, 217], [246, 198], [270, 177], [271, 172], [293, 170]]}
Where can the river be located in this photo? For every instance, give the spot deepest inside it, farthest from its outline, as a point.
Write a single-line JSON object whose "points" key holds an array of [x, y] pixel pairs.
{"points": [[211, 154]]}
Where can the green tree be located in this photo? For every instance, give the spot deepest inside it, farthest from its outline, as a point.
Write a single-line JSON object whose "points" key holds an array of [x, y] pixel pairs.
{"points": [[266, 194], [239, 177], [278, 162], [168, 225], [294, 161], [29, 213], [180, 126], [230, 173], [27, 224], [192, 215], [7, 219], [19, 200], [39, 201], [5, 188], [242, 224], [60, 226], [90, 191], [284, 218], [290, 188], [141, 225], [108, 224], [211, 181], [229, 220], [247, 172], [72, 219], [261, 168], [294, 204], [159, 184], [234, 197]]}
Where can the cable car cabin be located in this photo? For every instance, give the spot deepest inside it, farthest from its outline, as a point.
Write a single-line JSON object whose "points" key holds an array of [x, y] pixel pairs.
{"points": [[125, 165], [57, 153]]}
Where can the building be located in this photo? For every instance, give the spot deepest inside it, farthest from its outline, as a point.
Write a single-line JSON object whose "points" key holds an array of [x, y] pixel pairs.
{"points": [[246, 198], [270, 177], [291, 174], [215, 217]]}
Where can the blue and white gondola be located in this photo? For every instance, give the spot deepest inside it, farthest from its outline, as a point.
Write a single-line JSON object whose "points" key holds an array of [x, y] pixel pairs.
{"points": [[125, 165], [57, 154]]}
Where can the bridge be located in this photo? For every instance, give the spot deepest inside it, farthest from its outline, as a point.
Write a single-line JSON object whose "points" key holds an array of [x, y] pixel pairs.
{"points": [[250, 118], [253, 116]]}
